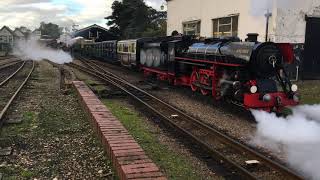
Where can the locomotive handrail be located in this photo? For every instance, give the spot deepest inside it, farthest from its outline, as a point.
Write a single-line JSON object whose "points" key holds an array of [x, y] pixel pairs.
{"points": [[209, 62]]}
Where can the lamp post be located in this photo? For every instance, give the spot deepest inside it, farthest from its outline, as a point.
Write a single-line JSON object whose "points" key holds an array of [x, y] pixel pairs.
{"points": [[163, 6], [267, 15]]}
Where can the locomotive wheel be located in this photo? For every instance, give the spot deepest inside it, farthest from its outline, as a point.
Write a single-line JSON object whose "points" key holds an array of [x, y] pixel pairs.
{"points": [[193, 79], [205, 92]]}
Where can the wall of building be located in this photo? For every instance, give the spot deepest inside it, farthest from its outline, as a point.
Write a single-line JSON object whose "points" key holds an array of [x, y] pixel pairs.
{"points": [[180, 11], [19, 34], [290, 24], [8, 36], [286, 24]]}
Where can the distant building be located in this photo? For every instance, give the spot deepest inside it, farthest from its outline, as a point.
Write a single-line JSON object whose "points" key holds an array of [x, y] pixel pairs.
{"points": [[7, 36], [95, 33], [19, 34], [36, 34]]}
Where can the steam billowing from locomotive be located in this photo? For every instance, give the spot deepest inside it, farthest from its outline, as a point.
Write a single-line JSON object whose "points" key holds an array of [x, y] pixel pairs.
{"points": [[33, 49], [298, 135]]}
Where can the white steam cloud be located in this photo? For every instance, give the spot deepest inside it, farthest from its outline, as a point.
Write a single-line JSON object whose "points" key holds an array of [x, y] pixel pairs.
{"points": [[298, 135], [33, 49], [68, 41]]}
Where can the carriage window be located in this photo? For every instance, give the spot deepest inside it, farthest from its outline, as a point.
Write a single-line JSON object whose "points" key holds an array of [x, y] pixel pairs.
{"points": [[130, 48], [126, 48], [121, 47], [227, 26], [192, 28], [133, 47]]}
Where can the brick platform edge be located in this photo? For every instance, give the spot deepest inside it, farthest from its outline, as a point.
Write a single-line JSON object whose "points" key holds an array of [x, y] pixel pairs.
{"points": [[128, 158]]}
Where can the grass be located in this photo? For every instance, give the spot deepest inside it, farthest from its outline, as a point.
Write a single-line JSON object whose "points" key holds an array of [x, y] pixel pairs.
{"points": [[175, 166], [28, 121], [27, 174], [309, 92]]}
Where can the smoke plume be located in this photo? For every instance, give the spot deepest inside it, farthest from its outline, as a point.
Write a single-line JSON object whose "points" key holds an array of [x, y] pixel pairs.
{"points": [[33, 49], [297, 135]]}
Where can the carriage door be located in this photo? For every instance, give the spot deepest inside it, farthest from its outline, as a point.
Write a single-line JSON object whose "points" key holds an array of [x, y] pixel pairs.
{"points": [[311, 62]]}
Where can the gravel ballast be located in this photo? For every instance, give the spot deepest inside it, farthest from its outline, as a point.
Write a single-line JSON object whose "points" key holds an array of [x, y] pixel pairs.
{"points": [[55, 139]]}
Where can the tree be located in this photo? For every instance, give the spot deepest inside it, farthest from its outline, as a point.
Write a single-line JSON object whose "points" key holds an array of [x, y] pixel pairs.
{"points": [[133, 18], [158, 25], [51, 30]]}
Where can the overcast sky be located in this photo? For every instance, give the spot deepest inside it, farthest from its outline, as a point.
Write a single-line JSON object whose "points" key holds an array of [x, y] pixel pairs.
{"points": [[30, 13]]}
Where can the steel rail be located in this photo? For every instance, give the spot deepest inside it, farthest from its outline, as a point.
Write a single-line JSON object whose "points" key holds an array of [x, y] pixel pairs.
{"points": [[13, 74], [3, 65], [5, 109], [111, 78]]}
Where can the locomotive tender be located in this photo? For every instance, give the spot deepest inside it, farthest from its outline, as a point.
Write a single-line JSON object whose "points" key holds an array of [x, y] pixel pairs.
{"points": [[250, 74]]}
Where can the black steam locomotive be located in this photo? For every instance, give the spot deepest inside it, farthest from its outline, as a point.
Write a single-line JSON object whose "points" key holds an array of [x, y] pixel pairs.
{"points": [[250, 74]]}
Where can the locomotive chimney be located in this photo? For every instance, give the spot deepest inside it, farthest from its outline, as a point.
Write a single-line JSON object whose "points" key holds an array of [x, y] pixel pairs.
{"points": [[252, 37]]}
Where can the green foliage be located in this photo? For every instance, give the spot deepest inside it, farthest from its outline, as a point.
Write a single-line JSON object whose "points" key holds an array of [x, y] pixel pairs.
{"points": [[309, 92], [51, 30], [133, 18]]}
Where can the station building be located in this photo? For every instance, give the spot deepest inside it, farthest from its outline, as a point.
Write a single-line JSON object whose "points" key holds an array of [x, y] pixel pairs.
{"points": [[7, 39], [7, 35], [19, 34], [94, 33], [289, 21]]}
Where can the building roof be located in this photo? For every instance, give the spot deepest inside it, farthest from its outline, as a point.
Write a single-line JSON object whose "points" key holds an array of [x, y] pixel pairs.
{"points": [[95, 32], [8, 29], [17, 29], [92, 26]]}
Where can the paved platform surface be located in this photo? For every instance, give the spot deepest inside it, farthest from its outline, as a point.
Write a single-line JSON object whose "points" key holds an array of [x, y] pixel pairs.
{"points": [[128, 158]]}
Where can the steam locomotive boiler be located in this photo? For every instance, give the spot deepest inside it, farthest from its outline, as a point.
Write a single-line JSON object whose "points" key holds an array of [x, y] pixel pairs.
{"points": [[249, 74]]}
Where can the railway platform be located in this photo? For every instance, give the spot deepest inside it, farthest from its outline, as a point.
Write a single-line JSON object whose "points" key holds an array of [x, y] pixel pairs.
{"points": [[128, 158]]}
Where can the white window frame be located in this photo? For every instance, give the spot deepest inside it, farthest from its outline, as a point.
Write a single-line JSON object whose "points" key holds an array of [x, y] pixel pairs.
{"points": [[197, 31], [228, 24]]}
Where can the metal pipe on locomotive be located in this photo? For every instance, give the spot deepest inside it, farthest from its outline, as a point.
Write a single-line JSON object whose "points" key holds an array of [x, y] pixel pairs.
{"points": [[250, 73]]}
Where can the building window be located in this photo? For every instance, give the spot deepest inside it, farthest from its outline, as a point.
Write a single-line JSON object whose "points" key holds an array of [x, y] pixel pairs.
{"points": [[192, 28], [226, 26], [5, 39]]}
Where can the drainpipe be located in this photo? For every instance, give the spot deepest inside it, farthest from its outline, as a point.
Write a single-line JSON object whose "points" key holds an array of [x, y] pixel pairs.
{"points": [[267, 15]]}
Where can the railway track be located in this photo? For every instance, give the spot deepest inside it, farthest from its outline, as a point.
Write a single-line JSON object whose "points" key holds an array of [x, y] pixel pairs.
{"points": [[10, 63], [12, 85], [7, 72], [231, 153]]}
